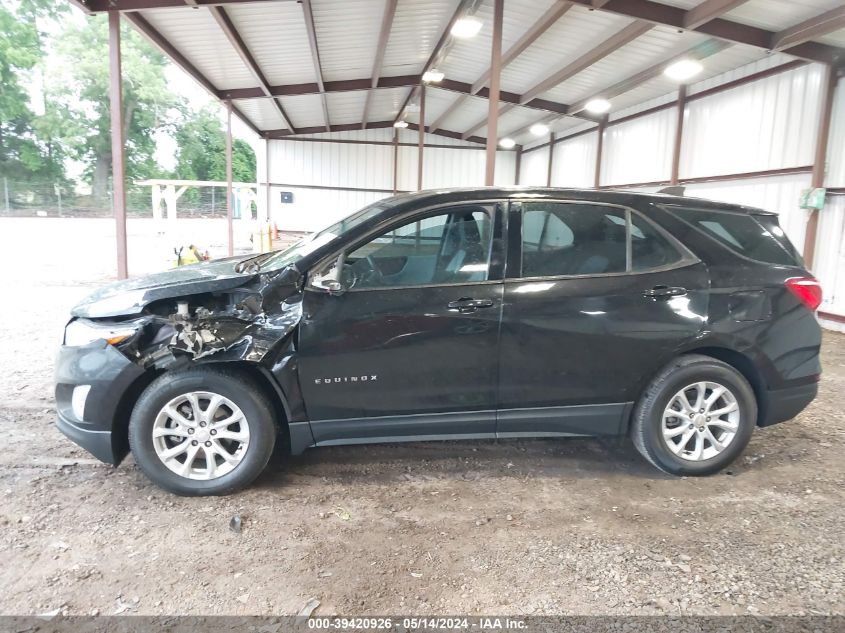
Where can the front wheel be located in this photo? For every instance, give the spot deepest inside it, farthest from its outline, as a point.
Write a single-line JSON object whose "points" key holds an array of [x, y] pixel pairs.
{"points": [[695, 417], [202, 431]]}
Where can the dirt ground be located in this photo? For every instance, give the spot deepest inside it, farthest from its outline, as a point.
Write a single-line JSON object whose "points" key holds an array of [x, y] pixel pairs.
{"points": [[513, 527]]}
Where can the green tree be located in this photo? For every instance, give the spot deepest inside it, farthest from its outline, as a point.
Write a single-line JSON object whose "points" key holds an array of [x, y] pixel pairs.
{"points": [[201, 153], [25, 152], [80, 91]]}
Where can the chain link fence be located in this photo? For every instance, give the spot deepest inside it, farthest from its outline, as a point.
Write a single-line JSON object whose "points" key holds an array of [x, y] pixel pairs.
{"points": [[28, 199]]}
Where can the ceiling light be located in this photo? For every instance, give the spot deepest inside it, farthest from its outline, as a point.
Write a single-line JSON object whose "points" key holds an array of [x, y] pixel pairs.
{"points": [[683, 69], [433, 76], [401, 124], [597, 106], [539, 129], [507, 143], [466, 27]]}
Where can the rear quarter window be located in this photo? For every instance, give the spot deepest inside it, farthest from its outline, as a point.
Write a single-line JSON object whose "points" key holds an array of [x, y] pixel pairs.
{"points": [[757, 237]]}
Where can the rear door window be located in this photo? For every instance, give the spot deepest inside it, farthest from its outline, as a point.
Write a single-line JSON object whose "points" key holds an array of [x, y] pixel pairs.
{"points": [[575, 238], [757, 237], [649, 248]]}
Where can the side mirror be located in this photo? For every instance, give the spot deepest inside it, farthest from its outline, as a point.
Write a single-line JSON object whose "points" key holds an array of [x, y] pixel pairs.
{"points": [[331, 286]]}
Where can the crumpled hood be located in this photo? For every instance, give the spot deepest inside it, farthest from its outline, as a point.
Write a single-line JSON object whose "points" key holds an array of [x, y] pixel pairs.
{"points": [[129, 297]]}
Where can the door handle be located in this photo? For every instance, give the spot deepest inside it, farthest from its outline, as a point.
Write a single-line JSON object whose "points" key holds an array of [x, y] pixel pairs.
{"points": [[659, 292], [467, 304]]}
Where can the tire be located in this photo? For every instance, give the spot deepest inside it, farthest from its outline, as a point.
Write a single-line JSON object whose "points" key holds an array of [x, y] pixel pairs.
{"points": [[239, 449], [653, 436]]}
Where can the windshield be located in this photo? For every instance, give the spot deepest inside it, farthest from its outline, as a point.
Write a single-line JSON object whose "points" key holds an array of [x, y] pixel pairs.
{"points": [[311, 243]]}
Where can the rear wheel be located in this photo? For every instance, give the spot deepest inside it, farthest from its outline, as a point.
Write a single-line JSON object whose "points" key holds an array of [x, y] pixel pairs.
{"points": [[202, 432], [695, 417]]}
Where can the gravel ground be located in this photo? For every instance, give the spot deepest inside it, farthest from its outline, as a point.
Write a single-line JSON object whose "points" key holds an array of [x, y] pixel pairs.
{"points": [[519, 527]]}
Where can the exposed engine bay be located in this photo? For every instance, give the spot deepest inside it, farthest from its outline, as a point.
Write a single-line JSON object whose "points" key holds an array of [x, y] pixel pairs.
{"points": [[242, 323]]}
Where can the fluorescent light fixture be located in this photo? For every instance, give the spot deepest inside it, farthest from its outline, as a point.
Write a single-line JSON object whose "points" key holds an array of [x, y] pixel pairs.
{"points": [[539, 129], [401, 124], [683, 69], [466, 27], [507, 143], [597, 106], [433, 76]]}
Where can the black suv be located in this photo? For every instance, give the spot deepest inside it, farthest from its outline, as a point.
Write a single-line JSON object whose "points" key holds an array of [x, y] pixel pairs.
{"points": [[471, 313]]}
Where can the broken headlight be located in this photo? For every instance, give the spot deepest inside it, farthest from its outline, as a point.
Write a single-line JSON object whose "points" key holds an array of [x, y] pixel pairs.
{"points": [[82, 331]]}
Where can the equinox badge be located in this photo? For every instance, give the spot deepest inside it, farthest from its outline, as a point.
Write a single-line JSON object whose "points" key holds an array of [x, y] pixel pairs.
{"points": [[342, 379]]}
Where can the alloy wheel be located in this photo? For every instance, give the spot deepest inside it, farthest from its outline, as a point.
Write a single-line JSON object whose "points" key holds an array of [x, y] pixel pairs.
{"points": [[700, 421], [200, 435]]}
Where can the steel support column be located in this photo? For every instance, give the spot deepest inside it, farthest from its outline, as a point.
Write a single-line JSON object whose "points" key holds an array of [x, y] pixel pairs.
{"points": [[517, 164], [551, 159], [421, 140], [267, 174], [229, 210], [493, 100], [117, 143], [822, 138], [679, 135], [395, 160], [599, 149]]}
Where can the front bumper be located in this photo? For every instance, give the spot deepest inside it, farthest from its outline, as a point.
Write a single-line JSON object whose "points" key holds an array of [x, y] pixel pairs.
{"points": [[102, 428]]}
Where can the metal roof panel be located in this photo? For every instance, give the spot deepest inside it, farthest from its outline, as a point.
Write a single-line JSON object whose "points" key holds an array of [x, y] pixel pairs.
{"points": [[196, 35]]}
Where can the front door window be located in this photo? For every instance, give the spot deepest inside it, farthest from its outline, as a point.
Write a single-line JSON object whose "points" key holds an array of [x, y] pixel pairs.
{"points": [[447, 248]]}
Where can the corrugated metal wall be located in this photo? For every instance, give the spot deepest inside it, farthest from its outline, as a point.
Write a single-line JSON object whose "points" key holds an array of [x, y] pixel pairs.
{"points": [[575, 161], [534, 168], [767, 124], [830, 250], [351, 175], [639, 150], [836, 146]]}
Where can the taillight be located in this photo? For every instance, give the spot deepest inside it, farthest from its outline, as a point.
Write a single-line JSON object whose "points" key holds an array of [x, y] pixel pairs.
{"points": [[807, 289]]}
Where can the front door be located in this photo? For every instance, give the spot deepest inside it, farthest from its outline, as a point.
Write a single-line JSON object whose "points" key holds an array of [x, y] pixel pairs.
{"points": [[600, 299], [408, 346]]}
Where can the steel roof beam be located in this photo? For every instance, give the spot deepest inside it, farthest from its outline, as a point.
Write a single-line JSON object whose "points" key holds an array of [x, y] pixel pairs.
{"points": [[228, 28], [342, 85], [101, 6], [404, 81], [441, 43], [817, 26], [709, 10], [735, 32], [700, 51], [348, 127], [542, 25], [315, 56], [378, 62], [610, 45]]}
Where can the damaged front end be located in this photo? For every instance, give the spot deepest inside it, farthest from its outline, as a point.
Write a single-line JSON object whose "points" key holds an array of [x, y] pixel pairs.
{"points": [[235, 325], [119, 340], [243, 323]]}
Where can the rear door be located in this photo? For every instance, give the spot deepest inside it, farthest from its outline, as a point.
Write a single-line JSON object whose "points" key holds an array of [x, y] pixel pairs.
{"points": [[597, 298]]}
